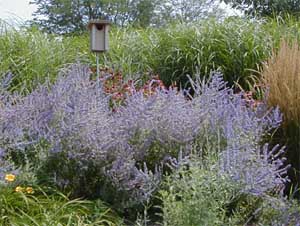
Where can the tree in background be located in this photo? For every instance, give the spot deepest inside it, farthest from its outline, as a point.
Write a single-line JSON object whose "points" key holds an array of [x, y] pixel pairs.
{"points": [[59, 16], [72, 16], [125, 12], [266, 7], [145, 11], [188, 10]]}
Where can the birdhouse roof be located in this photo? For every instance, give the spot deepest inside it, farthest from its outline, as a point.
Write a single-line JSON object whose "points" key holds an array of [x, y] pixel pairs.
{"points": [[98, 22]]}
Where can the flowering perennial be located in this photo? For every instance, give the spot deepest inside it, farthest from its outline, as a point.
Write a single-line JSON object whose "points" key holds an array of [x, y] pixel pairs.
{"points": [[129, 147]]}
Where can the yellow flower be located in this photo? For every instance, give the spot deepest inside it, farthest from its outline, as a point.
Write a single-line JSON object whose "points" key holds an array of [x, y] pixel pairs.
{"points": [[29, 190], [18, 189], [10, 177]]}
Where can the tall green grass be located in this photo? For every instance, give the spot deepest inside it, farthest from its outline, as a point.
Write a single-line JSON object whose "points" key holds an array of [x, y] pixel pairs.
{"points": [[32, 56], [49, 207], [235, 46]]}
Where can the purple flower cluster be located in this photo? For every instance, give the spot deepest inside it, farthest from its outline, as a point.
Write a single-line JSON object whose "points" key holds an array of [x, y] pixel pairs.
{"points": [[230, 117], [129, 146], [258, 170], [236, 130]]}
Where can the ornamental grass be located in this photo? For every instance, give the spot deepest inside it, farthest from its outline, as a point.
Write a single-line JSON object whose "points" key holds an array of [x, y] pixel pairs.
{"points": [[281, 74]]}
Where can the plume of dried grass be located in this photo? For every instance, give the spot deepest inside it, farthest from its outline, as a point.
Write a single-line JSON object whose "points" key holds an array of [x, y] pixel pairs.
{"points": [[281, 74]]}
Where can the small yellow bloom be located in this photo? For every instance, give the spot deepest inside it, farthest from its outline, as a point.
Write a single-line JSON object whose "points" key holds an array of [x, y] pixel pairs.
{"points": [[10, 177], [29, 190], [18, 189]]}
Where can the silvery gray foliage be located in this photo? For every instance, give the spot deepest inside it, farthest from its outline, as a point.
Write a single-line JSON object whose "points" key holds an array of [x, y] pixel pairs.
{"points": [[73, 116], [6, 81], [280, 211], [289, 212]]}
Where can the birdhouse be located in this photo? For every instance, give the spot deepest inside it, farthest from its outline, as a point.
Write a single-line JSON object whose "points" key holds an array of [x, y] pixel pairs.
{"points": [[99, 35]]}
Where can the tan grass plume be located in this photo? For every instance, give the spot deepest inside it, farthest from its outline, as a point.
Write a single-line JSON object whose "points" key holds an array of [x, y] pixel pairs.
{"points": [[281, 74]]}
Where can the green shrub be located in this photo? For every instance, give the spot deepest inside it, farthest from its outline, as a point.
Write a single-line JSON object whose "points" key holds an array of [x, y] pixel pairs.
{"points": [[196, 197], [199, 195]]}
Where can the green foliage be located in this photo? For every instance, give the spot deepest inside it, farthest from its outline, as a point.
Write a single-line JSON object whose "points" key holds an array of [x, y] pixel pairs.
{"points": [[233, 46], [32, 57], [237, 47], [266, 8], [65, 16], [196, 197], [199, 195], [49, 207], [61, 16], [188, 10], [87, 182]]}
